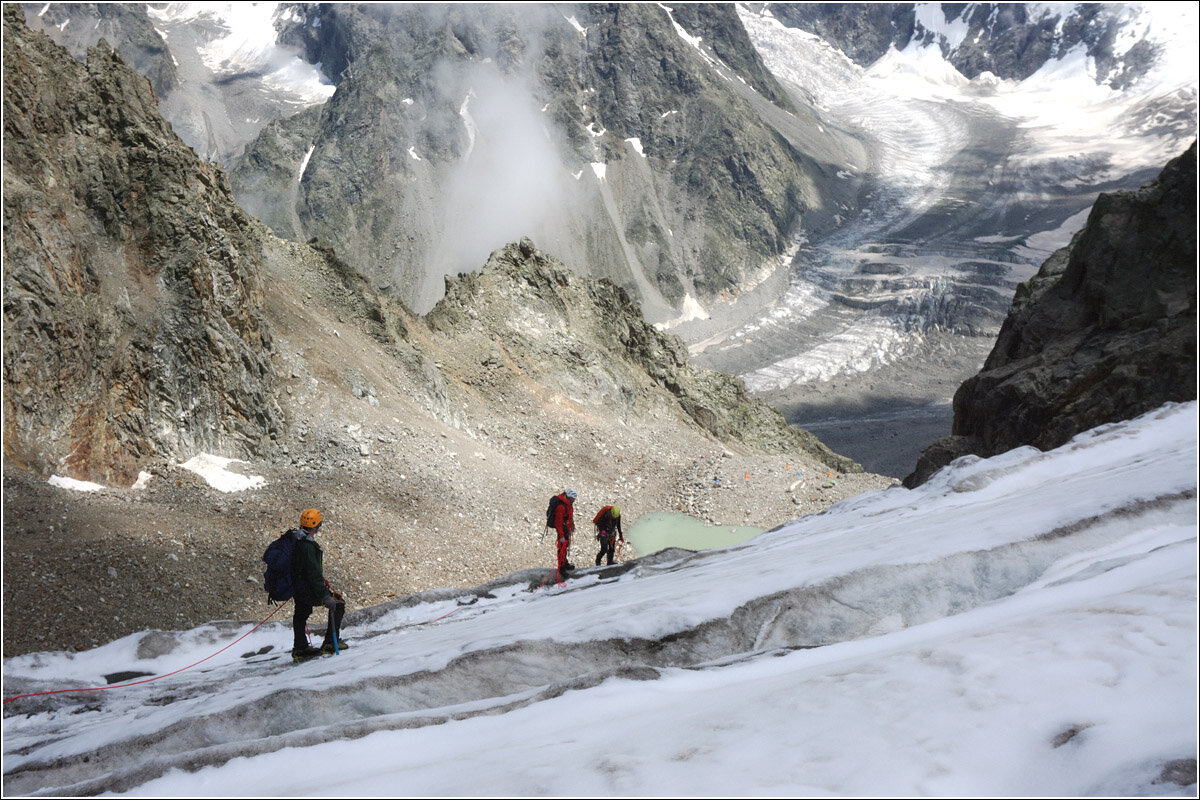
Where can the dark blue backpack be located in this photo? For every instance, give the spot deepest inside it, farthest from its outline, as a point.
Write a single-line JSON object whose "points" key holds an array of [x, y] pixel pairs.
{"points": [[277, 579]]}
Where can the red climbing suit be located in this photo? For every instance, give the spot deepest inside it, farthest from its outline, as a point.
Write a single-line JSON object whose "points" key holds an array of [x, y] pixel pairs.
{"points": [[564, 527]]}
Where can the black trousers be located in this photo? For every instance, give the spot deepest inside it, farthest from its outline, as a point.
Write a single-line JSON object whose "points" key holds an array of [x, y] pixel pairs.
{"points": [[608, 541], [300, 620]]}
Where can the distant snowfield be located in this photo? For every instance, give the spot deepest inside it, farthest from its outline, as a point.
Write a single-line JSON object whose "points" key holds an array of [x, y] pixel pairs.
{"points": [[1018, 626]]}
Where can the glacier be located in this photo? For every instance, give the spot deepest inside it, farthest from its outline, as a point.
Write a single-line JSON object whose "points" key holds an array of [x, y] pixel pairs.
{"points": [[1023, 625]]}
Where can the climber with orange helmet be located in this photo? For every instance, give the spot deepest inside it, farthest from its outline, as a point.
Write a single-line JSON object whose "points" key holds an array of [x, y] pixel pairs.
{"points": [[308, 577], [608, 530]]}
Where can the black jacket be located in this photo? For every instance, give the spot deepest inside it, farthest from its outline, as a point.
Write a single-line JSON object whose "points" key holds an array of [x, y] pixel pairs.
{"points": [[308, 574]]}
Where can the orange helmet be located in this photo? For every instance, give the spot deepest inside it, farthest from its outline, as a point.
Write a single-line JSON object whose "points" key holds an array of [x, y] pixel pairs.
{"points": [[310, 518]]}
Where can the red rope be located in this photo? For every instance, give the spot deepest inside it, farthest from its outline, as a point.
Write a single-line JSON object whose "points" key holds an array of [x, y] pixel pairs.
{"points": [[156, 677], [557, 579], [443, 616]]}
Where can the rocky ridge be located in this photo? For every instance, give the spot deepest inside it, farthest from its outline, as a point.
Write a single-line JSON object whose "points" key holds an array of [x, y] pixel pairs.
{"points": [[1009, 40], [1104, 332], [588, 339], [132, 300], [124, 26]]}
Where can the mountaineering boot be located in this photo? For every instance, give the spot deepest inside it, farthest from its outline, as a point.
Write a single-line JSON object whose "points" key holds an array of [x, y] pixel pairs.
{"points": [[305, 653], [327, 647]]}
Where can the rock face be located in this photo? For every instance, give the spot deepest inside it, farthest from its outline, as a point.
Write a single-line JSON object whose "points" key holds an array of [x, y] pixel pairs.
{"points": [[1104, 332], [135, 328], [125, 26], [133, 319], [526, 315], [628, 139]]}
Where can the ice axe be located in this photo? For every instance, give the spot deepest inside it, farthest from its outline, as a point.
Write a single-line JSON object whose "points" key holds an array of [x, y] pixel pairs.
{"points": [[333, 634]]}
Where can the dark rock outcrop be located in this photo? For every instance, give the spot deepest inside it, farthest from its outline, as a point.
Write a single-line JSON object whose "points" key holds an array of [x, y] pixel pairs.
{"points": [[1104, 332], [133, 323]]}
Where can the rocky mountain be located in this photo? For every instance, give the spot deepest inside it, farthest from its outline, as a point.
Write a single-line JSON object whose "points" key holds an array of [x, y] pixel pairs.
{"points": [[124, 26], [153, 329], [635, 141], [525, 315], [133, 319], [839, 223], [1008, 40], [647, 145], [217, 73], [1103, 333], [967, 185]]}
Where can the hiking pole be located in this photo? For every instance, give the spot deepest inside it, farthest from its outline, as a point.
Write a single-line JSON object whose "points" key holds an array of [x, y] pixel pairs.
{"points": [[333, 627]]}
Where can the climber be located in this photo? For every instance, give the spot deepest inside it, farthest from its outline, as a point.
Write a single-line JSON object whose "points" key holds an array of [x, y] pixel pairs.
{"points": [[560, 515], [608, 531], [312, 590]]}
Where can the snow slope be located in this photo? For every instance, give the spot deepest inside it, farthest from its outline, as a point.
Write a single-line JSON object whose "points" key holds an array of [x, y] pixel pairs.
{"points": [[1022, 625]]}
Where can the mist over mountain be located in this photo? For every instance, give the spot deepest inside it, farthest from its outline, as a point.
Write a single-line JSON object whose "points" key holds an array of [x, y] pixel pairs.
{"points": [[631, 140]]}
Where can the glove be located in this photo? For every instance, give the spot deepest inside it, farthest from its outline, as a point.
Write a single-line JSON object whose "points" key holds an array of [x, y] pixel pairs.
{"points": [[330, 602]]}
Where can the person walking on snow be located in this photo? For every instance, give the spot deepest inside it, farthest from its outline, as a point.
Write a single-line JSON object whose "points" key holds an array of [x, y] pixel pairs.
{"points": [[608, 530], [312, 590], [564, 527]]}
